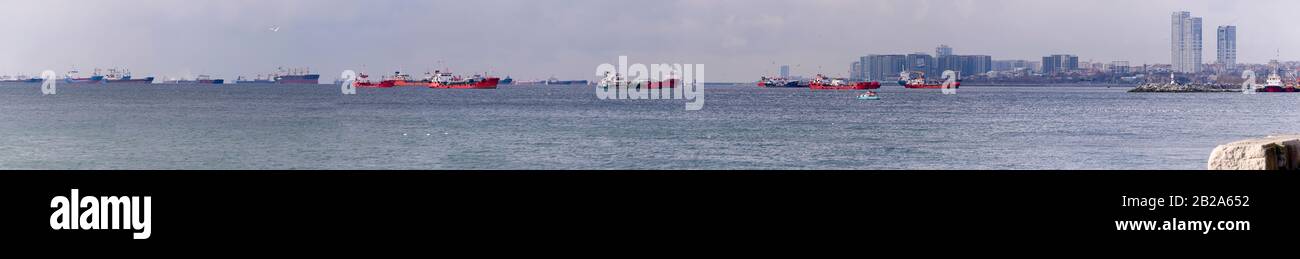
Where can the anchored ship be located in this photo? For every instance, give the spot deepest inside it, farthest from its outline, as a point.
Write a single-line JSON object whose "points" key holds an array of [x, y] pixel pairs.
{"points": [[199, 80], [822, 82], [257, 80], [122, 76], [284, 77], [19, 79], [916, 80], [778, 82], [556, 81], [71, 78], [297, 76], [617, 80], [448, 81], [364, 82]]}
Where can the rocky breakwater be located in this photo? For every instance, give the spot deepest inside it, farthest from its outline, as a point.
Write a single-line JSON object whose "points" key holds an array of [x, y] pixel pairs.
{"points": [[1184, 88], [1270, 153]]}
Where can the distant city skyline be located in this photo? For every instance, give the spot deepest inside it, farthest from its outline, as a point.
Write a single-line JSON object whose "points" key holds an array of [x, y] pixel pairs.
{"points": [[739, 40]]}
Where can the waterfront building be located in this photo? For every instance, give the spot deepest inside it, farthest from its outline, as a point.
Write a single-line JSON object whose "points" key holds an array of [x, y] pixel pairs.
{"points": [[785, 71], [1185, 42], [1056, 64], [1118, 67]]}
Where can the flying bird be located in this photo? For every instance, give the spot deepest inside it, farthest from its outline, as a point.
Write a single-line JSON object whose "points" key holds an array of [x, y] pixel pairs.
{"points": [[274, 29]]}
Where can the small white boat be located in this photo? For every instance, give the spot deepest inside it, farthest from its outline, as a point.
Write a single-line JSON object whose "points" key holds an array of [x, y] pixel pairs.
{"points": [[868, 96]]}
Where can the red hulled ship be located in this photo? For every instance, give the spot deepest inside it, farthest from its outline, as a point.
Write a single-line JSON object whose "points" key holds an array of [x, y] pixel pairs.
{"points": [[824, 83]]}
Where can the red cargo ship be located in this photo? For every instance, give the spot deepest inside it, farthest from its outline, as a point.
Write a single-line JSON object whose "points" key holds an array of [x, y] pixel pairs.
{"points": [[823, 83], [448, 81], [365, 82]]}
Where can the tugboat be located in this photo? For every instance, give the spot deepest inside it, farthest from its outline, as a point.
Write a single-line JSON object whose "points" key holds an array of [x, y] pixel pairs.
{"points": [[822, 82], [777, 82], [1274, 84]]}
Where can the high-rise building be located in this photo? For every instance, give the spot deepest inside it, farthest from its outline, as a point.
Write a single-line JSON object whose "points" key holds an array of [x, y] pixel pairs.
{"points": [[855, 71], [882, 67], [972, 65], [785, 71], [1227, 52], [1055, 64], [921, 62], [967, 65], [943, 50], [1185, 42]]}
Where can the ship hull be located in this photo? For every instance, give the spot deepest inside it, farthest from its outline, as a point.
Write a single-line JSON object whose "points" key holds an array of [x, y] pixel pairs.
{"points": [[928, 86], [1278, 89], [199, 82], [147, 80], [298, 80], [409, 83], [791, 84], [574, 82], [382, 84], [671, 83], [487, 83], [88, 80], [857, 86]]}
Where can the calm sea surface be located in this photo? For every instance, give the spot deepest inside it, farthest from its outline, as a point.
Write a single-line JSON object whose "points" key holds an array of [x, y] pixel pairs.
{"points": [[567, 127]]}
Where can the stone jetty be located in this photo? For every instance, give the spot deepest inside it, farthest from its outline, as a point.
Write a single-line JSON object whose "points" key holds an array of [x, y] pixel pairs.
{"points": [[1270, 153], [1184, 88]]}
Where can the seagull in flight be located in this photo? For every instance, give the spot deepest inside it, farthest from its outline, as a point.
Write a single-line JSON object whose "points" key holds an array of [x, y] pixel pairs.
{"points": [[274, 29]]}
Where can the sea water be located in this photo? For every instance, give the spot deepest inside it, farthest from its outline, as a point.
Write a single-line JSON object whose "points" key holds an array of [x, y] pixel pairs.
{"points": [[567, 127]]}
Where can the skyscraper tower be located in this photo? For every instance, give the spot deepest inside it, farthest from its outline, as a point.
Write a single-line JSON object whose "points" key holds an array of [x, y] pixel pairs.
{"points": [[1185, 42], [1227, 51], [943, 50]]}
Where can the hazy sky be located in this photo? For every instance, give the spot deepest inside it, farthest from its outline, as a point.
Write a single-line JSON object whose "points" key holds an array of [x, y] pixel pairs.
{"points": [[737, 40]]}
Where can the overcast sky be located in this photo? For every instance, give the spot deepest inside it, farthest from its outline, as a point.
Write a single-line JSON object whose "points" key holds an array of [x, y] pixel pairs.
{"points": [[737, 40]]}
